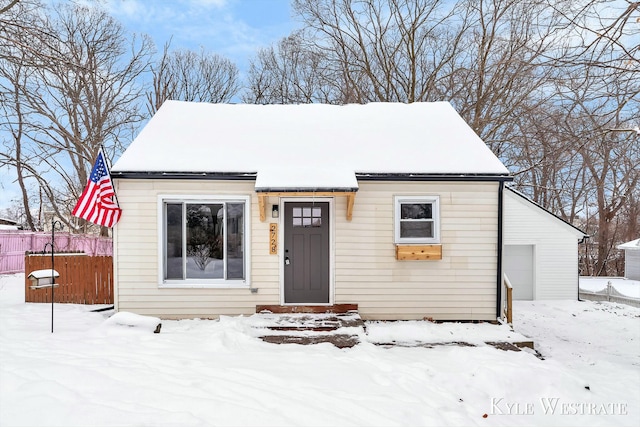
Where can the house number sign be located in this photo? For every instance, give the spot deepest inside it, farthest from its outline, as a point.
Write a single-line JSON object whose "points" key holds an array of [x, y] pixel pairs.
{"points": [[273, 238]]}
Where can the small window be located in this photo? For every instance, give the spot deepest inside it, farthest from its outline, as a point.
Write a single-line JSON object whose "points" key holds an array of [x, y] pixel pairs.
{"points": [[307, 217], [417, 219]]}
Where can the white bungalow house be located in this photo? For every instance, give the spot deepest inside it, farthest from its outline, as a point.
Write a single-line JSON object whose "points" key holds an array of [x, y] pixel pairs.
{"points": [[394, 207], [631, 259], [540, 252]]}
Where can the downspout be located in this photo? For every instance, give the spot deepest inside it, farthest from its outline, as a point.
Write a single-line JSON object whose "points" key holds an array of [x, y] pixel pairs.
{"points": [[499, 273], [580, 242]]}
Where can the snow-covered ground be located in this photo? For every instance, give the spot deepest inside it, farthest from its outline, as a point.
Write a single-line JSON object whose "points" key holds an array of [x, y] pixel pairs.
{"points": [[94, 372], [627, 287]]}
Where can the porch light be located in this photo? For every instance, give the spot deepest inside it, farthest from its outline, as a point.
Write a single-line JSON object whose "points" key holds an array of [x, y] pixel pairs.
{"points": [[275, 211]]}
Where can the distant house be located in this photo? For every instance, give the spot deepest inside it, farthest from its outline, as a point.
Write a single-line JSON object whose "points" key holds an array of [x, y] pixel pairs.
{"points": [[631, 259], [9, 224], [393, 207], [540, 252]]}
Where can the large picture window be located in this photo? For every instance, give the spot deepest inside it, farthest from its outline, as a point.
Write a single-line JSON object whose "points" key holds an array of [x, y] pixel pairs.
{"points": [[417, 219], [204, 241]]}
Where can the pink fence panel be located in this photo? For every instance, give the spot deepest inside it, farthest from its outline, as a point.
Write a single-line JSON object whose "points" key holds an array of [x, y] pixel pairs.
{"points": [[13, 245]]}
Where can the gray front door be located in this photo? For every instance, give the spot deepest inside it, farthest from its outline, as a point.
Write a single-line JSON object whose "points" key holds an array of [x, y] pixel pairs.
{"points": [[306, 253]]}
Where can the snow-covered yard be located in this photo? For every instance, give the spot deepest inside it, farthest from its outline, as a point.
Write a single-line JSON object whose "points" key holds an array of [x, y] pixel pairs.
{"points": [[205, 373]]}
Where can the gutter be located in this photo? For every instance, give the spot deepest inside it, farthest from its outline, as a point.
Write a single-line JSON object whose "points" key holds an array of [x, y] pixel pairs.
{"points": [[360, 176], [580, 242], [363, 176], [233, 176]]}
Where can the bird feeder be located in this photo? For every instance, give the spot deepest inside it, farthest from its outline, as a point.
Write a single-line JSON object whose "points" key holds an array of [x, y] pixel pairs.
{"points": [[43, 278]]}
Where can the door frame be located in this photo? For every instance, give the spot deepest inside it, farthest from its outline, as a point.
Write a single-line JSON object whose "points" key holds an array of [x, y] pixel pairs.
{"points": [[281, 228]]}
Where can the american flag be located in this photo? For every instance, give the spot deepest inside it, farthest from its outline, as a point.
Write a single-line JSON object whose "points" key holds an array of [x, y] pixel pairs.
{"points": [[97, 204]]}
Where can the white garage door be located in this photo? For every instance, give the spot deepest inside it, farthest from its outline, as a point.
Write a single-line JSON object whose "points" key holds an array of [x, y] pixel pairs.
{"points": [[518, 264]]}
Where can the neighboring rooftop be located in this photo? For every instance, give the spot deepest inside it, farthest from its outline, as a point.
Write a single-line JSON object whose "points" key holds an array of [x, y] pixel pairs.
{"points": [[632, 245], [7, 221]]}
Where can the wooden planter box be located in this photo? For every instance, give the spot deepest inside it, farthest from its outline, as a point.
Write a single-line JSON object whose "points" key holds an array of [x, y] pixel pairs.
{"points": [[418, 252]]}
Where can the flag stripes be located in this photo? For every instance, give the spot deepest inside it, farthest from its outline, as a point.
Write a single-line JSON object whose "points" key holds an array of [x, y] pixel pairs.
{"points": [[97, 204]]}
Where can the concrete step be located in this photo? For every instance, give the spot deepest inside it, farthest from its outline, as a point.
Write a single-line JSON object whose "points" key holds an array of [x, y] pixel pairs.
{"points": [[340, 329]]}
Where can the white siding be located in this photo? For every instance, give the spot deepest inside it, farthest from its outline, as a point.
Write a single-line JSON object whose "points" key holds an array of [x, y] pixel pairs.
{"points": [[461, 286], [137, 266], [555, 247], [632, 264]]}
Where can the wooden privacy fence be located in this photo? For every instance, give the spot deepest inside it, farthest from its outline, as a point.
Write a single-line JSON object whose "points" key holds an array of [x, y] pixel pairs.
{"points": [[13, 245], [83, 279]]}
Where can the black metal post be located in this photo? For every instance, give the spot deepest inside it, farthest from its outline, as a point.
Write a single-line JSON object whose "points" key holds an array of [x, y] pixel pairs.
{"points": [[53, 278], [54, 222]]}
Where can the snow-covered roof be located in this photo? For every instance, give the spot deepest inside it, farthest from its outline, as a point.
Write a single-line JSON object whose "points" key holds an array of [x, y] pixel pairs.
{"points": [[308, 145], [633, 245]]}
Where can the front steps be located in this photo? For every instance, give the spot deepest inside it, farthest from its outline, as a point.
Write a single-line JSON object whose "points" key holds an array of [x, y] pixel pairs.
{"points": [[341, 326], [338, 324]]}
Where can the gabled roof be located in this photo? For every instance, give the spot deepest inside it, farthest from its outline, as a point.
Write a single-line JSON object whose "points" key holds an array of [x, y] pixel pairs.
{"points": [[535, 205], [307, 146]]}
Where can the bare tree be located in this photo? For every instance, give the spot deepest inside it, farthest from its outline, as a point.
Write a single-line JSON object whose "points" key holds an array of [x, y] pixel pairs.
{"points": [[13, 127], [381, 50], [546, 164], [601, 90], [603, 26], [80, 91], [189, 76], [291, 73], [8, 5], [502, 67]]}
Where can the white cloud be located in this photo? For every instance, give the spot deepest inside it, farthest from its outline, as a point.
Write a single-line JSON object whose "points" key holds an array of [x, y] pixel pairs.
{"points": [[208, 3], [232, 28]]}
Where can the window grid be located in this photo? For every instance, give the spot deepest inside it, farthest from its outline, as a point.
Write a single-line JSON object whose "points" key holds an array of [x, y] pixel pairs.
{"points": [[307, 217]]}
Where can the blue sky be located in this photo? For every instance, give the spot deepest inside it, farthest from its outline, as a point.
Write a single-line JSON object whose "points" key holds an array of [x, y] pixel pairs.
{"points": [[232, 28], [235, 29]]}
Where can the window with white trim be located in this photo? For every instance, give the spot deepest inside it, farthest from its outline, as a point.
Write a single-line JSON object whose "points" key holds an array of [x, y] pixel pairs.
{"points": [[417, 219], [204, 241]]}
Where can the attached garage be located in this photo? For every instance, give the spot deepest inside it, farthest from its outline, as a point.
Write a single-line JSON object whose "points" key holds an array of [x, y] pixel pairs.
{"points": [[540, 250]]}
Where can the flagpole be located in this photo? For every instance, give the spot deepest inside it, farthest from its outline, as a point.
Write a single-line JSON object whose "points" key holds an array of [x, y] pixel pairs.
{"points": [[107, 164]]}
